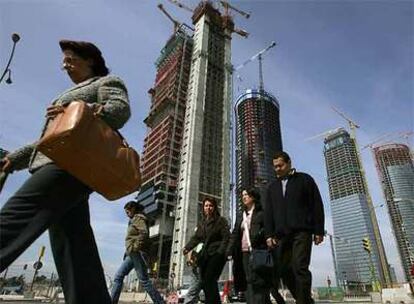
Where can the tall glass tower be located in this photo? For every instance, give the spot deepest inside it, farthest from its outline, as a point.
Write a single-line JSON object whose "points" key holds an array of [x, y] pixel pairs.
{"points": [[396, 172], [351, 215], [258, 138]]}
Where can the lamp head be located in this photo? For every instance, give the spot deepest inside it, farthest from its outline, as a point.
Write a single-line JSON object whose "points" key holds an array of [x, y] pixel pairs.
{"points": [[15, 37]]}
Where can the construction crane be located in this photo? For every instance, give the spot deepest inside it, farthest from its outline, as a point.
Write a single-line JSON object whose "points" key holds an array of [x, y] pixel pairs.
{"points": [[381, 251], [352, 125], [180, 5], [324, 134], [177, 24], [228, 6], [259, 55], [387, 138]]}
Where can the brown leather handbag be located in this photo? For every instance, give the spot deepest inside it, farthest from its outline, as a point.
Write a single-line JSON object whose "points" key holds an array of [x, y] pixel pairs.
{"points": [[81, 143]]}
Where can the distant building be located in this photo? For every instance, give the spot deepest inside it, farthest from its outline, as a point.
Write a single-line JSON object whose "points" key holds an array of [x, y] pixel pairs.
{"points": [[396, 173], [160, 162], [351, 215], [258, 138]]}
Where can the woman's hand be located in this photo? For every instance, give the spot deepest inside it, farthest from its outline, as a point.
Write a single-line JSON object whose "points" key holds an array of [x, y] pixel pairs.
{"points": [[53, 111], [5, 165], [185, 251]]}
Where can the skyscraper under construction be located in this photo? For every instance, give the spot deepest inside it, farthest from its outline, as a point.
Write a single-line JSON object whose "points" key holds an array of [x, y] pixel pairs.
{"points": [[258, 137], [353, 215], [160, 161], [205, 154], [396, 172]]}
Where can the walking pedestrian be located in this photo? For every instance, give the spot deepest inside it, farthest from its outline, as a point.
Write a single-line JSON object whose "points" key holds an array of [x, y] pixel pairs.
{"points": [[213, 232], [294, 217], [54, 199], [137, 244], [248, 234]]}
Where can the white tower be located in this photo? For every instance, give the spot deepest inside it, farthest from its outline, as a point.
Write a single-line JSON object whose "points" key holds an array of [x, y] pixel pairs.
{"points": [[205, 153]]}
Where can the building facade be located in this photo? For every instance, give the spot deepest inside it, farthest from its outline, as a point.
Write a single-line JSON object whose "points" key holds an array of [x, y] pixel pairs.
{"points": [[205, 154], [160, 162], [258, 138], [396, 173], [353, 216]]}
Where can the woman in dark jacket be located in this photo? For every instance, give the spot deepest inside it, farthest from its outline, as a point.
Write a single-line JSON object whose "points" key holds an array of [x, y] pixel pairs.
{"points": [[213, 232], [241, 243]]}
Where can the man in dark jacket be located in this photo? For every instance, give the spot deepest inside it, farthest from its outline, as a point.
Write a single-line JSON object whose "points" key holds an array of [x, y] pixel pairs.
{"points": [[294, 216]]}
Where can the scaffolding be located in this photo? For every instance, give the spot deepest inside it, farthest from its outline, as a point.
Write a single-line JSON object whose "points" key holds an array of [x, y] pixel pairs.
{"points": [[160, 162]]}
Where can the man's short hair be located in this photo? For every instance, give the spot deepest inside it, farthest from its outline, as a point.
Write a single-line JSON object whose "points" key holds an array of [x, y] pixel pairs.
{"points": [[283, 155]]}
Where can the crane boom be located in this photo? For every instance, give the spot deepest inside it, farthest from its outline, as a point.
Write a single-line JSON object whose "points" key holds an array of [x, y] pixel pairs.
{"points": [[351, 123], [256, 56], [180, 5], [259, 55], [227, 5], [175, 22], [324, 134]]}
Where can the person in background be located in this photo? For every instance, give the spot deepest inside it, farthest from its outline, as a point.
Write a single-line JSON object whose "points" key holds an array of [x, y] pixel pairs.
{"points": [[193, 293], [213, 232], [248, 234], [137, 244], [52, 198], [294, 217]]}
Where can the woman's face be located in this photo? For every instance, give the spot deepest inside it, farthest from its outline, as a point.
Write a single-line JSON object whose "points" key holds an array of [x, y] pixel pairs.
{"points": [[208, 208], [247, 199], [78, 69], [130, 212]]}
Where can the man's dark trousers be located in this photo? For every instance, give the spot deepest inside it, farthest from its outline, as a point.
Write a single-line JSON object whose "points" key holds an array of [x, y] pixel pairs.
{"points": [[52, 198], [295, 253]]}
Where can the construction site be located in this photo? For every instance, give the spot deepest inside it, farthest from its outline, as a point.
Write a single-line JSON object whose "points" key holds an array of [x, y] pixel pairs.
{"points": [[258, 133], [187, 149], [162, 145], [395, 169]]}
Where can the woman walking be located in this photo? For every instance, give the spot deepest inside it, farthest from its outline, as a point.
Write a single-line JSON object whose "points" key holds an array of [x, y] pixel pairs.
{"points": [[54, 199], [213, 232], [248, 234]]}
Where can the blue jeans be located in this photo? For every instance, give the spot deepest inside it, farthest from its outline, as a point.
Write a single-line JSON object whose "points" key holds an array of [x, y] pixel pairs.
{"points": [[193, 292], [134, 260]]}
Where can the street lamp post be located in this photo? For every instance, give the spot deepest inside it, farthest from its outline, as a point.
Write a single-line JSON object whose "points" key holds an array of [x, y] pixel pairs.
{"points": [[15, 38]]}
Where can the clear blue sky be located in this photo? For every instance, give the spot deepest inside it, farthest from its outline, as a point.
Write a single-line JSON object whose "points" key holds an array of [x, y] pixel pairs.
{"points": [[355, 55]]}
